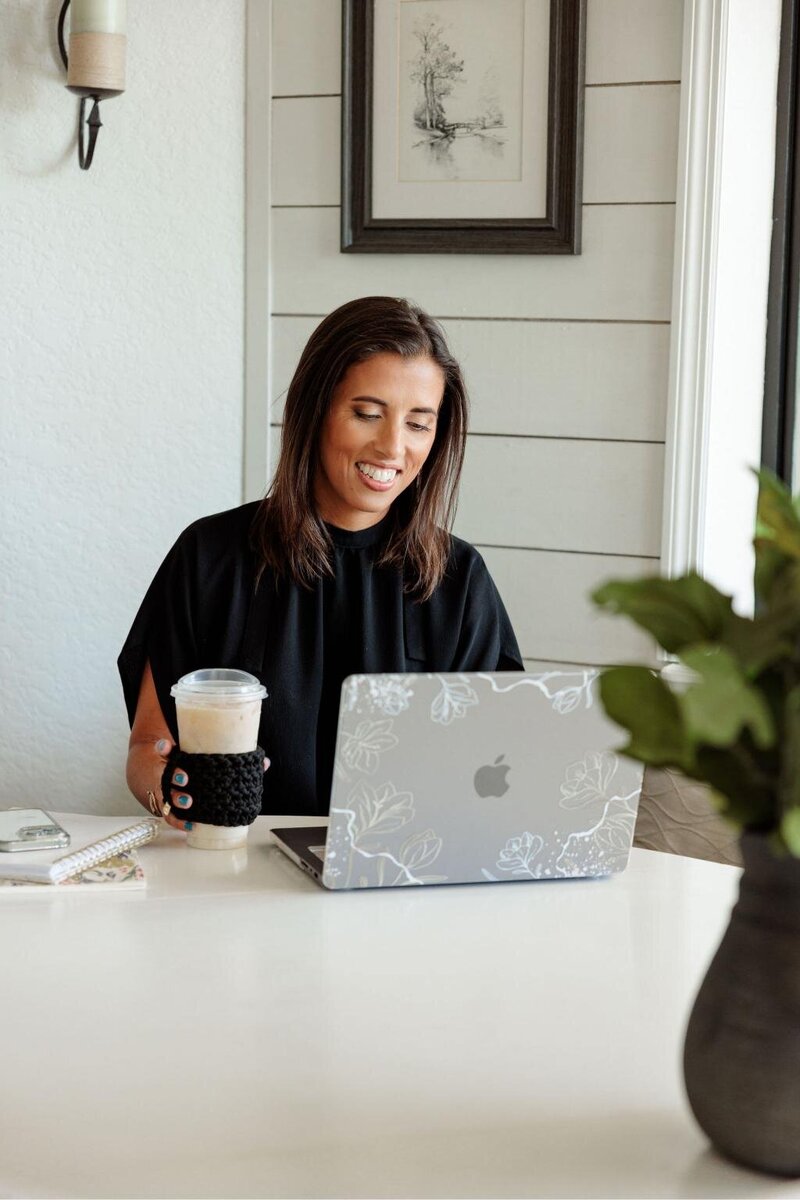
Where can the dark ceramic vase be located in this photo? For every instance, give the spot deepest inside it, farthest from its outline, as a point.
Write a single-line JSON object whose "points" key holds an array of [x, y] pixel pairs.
{"points": [[741, 1059]]}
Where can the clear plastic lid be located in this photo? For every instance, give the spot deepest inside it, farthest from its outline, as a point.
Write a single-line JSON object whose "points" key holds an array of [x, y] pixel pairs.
{"points": [[218, 683]]}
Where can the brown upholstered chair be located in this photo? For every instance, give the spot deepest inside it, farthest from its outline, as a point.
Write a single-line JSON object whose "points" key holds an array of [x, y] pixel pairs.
{"points": [[676, 815]]}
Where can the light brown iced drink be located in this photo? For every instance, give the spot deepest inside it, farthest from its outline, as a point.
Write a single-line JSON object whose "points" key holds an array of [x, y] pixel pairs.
{"points": [[218, 729], [218, 711]]}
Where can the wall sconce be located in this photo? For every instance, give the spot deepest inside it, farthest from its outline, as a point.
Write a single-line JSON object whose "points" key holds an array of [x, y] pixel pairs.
{"points": [[95, 63]]}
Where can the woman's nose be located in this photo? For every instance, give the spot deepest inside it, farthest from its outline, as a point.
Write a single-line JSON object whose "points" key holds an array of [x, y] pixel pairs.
{"points": [[389, 440]]}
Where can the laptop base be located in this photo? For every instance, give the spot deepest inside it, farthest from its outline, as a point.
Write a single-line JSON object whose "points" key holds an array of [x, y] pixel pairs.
{"points": [[301, 844]]}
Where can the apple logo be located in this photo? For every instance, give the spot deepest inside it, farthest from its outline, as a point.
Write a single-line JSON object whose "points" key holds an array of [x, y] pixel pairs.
{"points": [[491, 780]]}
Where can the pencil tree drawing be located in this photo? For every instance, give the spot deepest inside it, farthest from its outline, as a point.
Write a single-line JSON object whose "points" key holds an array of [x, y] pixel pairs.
{"points": [[459, 93], [437, 70]]}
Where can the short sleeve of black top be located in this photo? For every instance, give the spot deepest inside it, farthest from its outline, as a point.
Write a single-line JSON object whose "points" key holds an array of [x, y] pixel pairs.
{"points": [[203, 610]]}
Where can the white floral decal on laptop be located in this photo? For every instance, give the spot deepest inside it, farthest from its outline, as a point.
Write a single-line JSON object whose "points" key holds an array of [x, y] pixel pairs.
{"points": [[367, 854], [603, 845], [453, 701], [361, 750], [386, 694]]}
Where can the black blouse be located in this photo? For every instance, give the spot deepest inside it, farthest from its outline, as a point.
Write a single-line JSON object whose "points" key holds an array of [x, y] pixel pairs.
{"points": [[202, 610]]}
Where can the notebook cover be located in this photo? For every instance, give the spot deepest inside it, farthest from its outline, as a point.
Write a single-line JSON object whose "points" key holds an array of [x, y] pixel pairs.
{"points": [[122, 870]]}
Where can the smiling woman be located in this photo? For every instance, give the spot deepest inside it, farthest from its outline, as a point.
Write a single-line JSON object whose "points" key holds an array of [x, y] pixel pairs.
{"points": [[347, 566]]}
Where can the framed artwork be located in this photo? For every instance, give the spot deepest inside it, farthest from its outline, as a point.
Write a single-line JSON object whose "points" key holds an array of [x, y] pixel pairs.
{"points": [[462, 126]]}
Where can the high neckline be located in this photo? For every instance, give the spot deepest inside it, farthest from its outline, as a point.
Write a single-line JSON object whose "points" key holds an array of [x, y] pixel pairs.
{"points": [[357, 539]]}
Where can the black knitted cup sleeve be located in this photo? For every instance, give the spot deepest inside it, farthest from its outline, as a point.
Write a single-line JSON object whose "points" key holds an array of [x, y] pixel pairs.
{"points": [[226, 789]]}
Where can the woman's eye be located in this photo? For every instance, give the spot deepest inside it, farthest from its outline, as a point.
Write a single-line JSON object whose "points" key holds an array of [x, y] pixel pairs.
{"points": [[364, 416]]}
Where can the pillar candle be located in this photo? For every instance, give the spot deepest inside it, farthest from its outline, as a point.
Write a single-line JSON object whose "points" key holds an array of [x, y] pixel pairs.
{"points": [[97, 44], [97, 16]]}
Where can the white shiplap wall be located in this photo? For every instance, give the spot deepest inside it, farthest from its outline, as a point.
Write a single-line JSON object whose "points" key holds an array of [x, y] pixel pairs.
{"points": [[566, 358]]}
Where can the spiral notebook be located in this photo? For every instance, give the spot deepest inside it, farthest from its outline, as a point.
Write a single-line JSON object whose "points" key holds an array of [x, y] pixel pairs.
{"points": [[102, 856]]}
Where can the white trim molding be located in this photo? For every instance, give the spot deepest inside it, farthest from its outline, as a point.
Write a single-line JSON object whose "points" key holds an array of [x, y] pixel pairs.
{"points": [[258, 290], [721, 276], [696, 231]]}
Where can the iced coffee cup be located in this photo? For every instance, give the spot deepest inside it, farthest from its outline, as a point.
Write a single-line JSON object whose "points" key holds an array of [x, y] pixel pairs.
{"points": [[218, 710]]}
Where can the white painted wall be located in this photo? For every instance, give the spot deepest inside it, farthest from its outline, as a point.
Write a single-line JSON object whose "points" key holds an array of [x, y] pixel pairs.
{"points": [[121, 306], [567, 358]]}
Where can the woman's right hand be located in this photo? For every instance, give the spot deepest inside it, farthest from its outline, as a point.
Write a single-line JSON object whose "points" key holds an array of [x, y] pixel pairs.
{"points": [[179, 799], [148, 750], [145, 768], [146, 764], [147, 760]]}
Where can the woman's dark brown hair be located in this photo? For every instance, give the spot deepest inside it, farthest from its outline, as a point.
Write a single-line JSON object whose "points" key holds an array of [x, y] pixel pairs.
{"points": [[287, 533]]}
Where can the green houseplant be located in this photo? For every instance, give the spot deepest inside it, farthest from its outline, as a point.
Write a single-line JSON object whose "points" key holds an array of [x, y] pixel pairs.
{"points": [[735, 727]]}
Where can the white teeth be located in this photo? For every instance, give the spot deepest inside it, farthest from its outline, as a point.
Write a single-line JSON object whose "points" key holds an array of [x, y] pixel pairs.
{"points": [[380, 476]]}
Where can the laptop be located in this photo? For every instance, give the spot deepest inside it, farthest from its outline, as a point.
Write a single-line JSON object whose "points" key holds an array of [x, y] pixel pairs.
{"points": [[471, 778]]}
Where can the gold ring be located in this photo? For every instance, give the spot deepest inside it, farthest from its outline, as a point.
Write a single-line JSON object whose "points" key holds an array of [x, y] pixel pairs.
{"points": [[158, 810]]}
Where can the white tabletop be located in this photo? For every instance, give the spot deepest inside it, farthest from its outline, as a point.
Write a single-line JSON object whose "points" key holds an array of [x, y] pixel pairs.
{"points": [[235, 1030]]}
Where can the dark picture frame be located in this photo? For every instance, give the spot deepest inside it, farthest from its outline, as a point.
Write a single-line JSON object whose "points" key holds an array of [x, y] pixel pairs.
{"points": [[557, 232]]}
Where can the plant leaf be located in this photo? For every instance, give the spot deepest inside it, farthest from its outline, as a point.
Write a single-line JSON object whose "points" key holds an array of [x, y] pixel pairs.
{"points": [[770, 563], [773, 633], [738, 791], [789, 785], [777, 540], [758, 643], [643, 705], [790, 830], [677, 612], [777, 520], [722, 703]]}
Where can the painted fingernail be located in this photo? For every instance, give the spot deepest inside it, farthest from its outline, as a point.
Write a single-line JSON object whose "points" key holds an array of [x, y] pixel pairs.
{"points": [[162, 746], [183, 801], [266, 764], [181, 778], [187, 825]]}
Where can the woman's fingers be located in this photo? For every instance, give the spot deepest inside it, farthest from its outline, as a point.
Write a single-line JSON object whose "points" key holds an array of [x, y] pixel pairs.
{"points": [[178, 797], [176, 822], [180, 800]]}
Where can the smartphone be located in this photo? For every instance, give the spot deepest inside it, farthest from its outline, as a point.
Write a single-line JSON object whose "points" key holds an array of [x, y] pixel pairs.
{"points": [[30, 829]]}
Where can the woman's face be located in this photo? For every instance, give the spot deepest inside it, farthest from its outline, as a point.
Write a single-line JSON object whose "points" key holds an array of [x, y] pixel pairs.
{"points": [[375, 437]]}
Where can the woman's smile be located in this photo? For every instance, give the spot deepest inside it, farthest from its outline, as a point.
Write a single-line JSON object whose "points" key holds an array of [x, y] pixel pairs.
{"points": [[381, 479]]}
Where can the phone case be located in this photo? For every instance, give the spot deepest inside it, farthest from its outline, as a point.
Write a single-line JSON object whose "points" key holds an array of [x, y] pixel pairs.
{"points": [[26, 829]]}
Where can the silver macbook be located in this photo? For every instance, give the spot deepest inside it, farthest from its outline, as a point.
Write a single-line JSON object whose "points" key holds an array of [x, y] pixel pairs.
{"points": [[471, 778]]}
